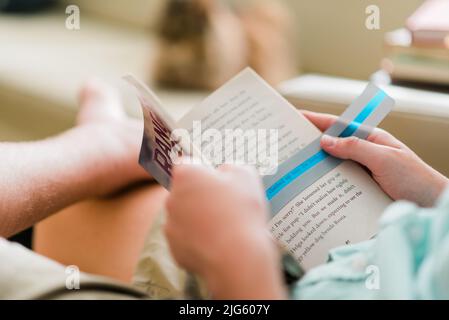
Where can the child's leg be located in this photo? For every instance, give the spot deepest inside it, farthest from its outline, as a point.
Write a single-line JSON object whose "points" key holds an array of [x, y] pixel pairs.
{"points": [[102, 236]]}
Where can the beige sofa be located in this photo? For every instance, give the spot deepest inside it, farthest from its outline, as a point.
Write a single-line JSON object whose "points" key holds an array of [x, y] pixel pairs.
{"points": [[43, 66]]}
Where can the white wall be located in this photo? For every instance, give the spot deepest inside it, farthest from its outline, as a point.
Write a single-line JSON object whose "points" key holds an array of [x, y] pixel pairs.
{"points": [[141, 13], [332, 37]]}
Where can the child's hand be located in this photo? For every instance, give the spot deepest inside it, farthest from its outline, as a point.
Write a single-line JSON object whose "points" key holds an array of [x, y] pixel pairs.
{"points": [[216, 227], [114, 136], [397, 169]]}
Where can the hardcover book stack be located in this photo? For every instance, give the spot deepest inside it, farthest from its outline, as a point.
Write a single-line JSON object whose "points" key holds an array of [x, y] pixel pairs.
{"points": [[419, 53]]}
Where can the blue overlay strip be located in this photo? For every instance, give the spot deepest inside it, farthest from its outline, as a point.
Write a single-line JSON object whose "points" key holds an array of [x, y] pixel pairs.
{"points": [[321, 155], [366, 111]]}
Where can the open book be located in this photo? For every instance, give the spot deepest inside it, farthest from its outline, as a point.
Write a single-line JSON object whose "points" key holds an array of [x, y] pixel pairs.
{"points": [[334, 204]]}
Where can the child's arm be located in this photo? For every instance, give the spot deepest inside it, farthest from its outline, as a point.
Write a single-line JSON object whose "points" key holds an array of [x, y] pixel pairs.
{"points": [[94, 158]]}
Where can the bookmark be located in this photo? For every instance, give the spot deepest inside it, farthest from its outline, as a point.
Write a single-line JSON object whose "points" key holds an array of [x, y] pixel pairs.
{"points": [[311, 163]]}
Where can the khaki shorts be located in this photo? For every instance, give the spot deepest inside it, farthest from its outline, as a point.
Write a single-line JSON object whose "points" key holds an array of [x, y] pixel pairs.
{"points": [[157, 273], [27, 275]]}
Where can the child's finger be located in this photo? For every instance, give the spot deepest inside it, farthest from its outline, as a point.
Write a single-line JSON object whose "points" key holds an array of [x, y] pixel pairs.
{"points": [[364, 152], [321, 120]]}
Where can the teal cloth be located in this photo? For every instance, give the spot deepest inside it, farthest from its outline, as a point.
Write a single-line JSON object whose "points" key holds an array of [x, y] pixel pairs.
{"points": [[409, 259]]}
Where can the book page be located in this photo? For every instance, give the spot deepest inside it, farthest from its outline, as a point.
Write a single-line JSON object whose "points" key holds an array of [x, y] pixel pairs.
{"points": [[247, 102], [341, 207]]}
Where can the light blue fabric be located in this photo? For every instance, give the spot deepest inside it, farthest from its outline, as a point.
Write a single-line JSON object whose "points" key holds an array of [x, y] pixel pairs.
{"points": [[409, 259]]}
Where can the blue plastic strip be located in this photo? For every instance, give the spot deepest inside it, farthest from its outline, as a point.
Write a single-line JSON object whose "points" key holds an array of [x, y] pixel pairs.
{"points": [[367, 110]]}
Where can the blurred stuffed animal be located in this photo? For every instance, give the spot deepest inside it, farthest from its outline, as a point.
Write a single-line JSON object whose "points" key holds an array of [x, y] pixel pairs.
{"points": [[203, 43]]}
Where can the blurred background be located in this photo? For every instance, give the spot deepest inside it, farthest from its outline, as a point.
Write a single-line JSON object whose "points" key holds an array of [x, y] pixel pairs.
{"points": [[318, 53], [43, 64]]}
